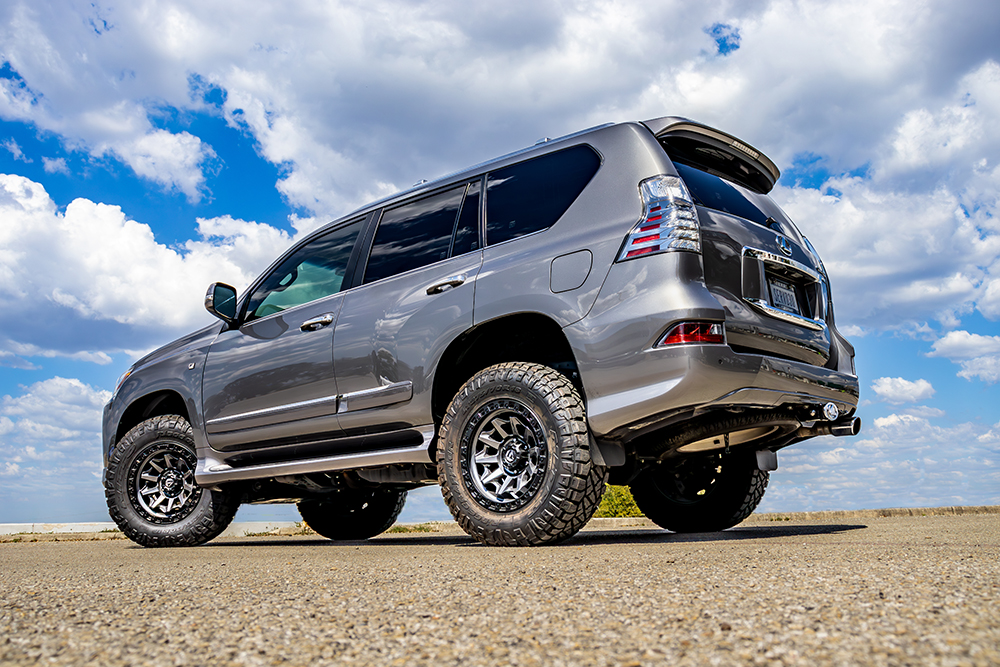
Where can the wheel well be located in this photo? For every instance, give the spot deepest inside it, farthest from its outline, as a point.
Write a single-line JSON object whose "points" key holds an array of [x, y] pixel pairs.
{"points": [[152, 405], [522, 337]]}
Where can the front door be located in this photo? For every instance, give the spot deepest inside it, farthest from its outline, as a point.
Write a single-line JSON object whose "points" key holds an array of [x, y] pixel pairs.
{"points": [[271, 380]]}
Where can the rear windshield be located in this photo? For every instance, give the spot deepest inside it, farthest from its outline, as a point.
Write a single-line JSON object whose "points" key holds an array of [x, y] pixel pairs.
{"points": [[711, 191]]}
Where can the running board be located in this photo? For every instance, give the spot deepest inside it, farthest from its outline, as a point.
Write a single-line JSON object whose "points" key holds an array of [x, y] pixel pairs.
{"points": [[212, 472]]}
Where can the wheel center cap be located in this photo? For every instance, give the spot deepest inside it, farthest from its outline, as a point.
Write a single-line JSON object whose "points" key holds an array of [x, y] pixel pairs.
{"points": [[514, 456], [171, 483]]}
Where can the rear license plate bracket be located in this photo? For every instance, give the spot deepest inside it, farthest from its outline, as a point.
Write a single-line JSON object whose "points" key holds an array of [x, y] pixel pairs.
{"points": [[783, 295]]}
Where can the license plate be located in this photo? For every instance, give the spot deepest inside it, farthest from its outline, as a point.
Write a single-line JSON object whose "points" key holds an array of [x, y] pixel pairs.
{"points": [[783, 296]]}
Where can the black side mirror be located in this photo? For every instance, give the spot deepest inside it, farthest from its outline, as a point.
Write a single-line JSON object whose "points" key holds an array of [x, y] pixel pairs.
{"points": [[221, 302]]}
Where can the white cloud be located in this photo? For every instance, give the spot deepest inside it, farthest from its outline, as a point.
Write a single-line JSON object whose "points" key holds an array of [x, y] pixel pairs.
{"points": [[174, 160], [956, 345], [48, 434], [351, 111], [15, 150], [978, 355], [894, 258], [901, 460], [66, 87], [898, 390], [986, 369], [49, 257], [55, 165]]}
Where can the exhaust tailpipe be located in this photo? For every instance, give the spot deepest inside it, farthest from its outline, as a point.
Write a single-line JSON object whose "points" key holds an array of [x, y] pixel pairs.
{"points": [[838, 428]]}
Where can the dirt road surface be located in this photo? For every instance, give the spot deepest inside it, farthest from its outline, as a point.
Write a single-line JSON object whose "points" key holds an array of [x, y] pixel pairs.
{"points": [[881, 591]]}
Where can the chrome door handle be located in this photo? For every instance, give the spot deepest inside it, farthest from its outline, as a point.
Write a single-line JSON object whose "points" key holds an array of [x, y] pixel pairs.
{"points": [[317, 322], [446, 284]]}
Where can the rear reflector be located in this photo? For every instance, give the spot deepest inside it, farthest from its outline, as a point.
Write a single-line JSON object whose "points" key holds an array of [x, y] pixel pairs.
{"points": [[669, 220], [694, 332]]}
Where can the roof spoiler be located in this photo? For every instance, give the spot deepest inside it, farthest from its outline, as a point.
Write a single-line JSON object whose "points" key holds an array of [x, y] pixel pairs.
{"points": [[715, 151]]}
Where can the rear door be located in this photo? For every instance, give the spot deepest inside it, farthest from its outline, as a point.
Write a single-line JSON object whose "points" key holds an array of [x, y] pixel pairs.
{"points": [[414, 297]]}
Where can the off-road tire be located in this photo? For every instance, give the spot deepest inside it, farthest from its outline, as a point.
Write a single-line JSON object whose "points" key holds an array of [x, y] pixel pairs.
{"points": [[133, 488], [563, 487], [732, 485], [353, 514]]}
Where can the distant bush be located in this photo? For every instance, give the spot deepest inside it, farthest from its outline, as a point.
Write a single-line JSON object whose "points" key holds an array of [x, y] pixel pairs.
{"points": [[617, 502]]}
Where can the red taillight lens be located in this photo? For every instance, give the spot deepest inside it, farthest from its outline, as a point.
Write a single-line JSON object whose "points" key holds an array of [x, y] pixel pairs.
{"points": [[669, 220], [694, 332]]}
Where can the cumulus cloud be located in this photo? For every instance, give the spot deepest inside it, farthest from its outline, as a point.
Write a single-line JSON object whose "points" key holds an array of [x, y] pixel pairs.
{"points": [[898, 390], [49, 434], [352, 111], [901, 460], [63, 85], [978, 355], [956, 345], [48, 257]]}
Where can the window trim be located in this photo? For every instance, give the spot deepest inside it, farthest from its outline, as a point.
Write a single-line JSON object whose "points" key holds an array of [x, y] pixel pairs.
{"points": [[375, 219], [264, 275]]}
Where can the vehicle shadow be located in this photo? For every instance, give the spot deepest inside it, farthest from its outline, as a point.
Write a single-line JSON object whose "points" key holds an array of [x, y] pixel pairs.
{"points": [[615, 536], [641, 536]]}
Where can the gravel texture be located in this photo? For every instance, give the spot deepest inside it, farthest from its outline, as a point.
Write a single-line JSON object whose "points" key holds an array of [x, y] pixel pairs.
{"points": [[882, 591]]}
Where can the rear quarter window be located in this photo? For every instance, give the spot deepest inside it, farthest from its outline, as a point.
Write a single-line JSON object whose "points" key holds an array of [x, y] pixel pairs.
{"points": [[530, 196]]}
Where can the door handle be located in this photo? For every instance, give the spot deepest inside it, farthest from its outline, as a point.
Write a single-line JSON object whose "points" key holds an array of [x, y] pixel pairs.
{"points": [[317, 322], [446, 284]]}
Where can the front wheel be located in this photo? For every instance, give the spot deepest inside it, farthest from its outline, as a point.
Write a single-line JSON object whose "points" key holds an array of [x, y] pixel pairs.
{"points": [[514, 457], [151, 492], [353, 514], [702, 493]]}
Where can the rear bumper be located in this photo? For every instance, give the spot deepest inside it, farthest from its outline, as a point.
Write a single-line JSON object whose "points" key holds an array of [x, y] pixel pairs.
{"points": [[695, 379]]}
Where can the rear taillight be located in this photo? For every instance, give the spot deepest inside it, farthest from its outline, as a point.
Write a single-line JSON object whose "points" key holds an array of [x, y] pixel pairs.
{"points": [[694, 332], [669, 220]]}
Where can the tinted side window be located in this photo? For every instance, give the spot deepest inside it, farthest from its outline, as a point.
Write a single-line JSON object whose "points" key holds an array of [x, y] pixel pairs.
{"points": [[414, 235], [312, 272], [531, 195], [713, 192], [467, 229]]}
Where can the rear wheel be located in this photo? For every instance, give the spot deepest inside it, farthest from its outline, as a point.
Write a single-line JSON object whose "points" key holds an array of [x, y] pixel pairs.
{"points": [[514, 457], [703, 493], [353, 514], [151, 492]]}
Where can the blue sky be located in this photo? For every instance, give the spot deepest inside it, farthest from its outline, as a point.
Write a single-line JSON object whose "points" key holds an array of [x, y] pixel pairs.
{"points": [[149, 148]]}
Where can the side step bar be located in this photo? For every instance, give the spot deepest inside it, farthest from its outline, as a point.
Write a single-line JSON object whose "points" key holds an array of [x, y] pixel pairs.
{"points": [[212, 472]]}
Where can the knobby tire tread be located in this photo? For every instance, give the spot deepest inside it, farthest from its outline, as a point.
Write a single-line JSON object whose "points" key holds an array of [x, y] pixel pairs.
{"points": [[578, 492], [223, 504]]}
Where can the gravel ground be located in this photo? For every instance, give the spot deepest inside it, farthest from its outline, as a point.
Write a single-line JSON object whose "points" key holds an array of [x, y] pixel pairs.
{"points": [[883, 591]]}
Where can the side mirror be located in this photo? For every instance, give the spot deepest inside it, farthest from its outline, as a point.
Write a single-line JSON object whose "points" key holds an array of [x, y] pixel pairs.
{"points": [[220, 300]]}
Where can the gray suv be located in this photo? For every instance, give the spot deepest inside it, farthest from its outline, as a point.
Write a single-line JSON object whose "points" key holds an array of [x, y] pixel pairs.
{"points": [[624, 304]]}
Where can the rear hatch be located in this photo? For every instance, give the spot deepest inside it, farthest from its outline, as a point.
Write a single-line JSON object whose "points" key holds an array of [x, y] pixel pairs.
{"points": [[757, 264]]}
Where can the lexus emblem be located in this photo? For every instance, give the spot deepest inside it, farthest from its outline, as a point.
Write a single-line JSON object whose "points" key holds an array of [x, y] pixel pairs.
{"points": [[784, 244]]}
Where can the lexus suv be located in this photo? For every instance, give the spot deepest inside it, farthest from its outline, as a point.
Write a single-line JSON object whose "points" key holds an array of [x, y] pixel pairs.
{"points": [[622, 305]]}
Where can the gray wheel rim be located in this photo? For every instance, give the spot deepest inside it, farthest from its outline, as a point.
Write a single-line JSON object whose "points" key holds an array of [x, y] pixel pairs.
{"points": [[505, 455], [161, 483]]}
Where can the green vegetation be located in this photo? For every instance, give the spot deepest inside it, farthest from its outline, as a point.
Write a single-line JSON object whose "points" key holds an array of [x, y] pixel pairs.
{"points": [[617, 501], [418, 528]]}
